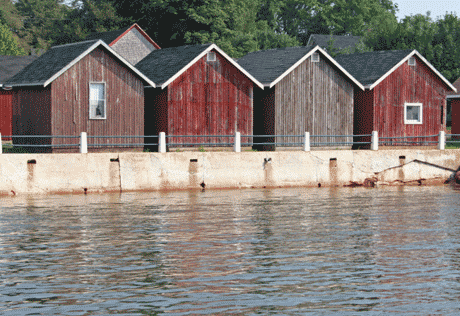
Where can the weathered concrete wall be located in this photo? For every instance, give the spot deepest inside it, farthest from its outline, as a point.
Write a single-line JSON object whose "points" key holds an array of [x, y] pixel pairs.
{"points": [[100, 172]]}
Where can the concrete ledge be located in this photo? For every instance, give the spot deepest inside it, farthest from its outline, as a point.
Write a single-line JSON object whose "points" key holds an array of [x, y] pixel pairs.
{"points": [[108, 172]]}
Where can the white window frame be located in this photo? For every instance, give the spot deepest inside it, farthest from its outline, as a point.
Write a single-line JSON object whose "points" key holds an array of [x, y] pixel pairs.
{"points": [[315, 58], [91, 116], [411, 61], [211, 56], [406, 121]]}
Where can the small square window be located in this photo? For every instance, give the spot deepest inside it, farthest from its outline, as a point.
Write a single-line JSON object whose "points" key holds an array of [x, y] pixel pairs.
{"points": [[413, 113], [411, 61], [97, 104], [211, 56], [315, 58]]}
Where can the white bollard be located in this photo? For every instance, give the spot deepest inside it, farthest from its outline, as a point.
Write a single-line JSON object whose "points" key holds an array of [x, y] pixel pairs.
{"points": [[83, 143], [375, 141], [162, 142], [442, 140], [237, 144], [306, 142]]}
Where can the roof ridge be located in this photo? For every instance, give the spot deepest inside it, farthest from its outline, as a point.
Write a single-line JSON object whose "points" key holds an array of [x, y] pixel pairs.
{"points": [[69, 44], [277, 48], [378, 51]]}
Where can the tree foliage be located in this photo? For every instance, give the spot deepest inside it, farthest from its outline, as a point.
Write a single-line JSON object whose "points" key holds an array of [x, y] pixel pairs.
{"points": [[8, 43], [237, 26]]}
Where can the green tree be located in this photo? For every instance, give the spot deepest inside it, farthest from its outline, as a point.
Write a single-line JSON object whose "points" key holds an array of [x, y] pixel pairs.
{"points": [[446, 47], [9, 44], [42, 19]]}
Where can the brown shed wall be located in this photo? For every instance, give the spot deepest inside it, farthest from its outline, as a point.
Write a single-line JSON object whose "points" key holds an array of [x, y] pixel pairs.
{"points": [[315, 98], [455, 105], [32, 116], [411, 84], [124, 101]]}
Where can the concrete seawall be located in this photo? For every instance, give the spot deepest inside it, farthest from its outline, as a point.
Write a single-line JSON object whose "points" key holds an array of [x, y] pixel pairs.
{"points": [[114, 172]]}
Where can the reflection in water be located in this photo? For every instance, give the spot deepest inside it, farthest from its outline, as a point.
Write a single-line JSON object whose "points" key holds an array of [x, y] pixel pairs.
{"points": [[294, 251]]}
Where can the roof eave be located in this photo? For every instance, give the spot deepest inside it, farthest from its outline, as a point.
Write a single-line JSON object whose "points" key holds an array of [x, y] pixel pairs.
{"points": [[332, 60], [90, 49], [203, 53], [414, 52]]}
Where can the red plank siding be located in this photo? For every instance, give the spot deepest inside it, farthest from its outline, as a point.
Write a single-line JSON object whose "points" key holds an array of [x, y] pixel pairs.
{"points": [[411, 84], [6, 114], [455, 105], [210, 98]]}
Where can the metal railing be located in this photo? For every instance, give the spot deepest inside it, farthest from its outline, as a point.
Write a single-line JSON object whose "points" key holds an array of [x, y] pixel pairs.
{"points": [[409, 140], [263, 142]]}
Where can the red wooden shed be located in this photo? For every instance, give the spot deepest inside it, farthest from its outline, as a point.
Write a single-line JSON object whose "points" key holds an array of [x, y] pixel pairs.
{"points": [[404, 96], [9, 66], [74, 88], [200, 91], [453, 104]]}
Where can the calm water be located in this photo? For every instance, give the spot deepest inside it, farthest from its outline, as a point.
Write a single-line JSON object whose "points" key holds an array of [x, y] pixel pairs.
{"points": [[286, 251]]}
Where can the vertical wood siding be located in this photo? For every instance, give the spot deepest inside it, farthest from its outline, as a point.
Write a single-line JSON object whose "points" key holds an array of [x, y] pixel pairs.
{"points": [[210, 98], [363, 114], [6, 114], [32, 116], [411, 84], [455, 106], [315, 98], [124, 101]]}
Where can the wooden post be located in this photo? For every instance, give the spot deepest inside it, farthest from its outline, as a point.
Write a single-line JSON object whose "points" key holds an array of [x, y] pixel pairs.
{"points": [[83, 143], [237, 143], [306, 142], [162, 142], [375, 141], [442, 140]]}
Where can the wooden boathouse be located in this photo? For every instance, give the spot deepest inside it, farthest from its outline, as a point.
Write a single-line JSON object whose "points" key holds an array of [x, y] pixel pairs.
{"points": [[305, 90], [9, 66], [74, 88], [200, 91], [404, 95]]}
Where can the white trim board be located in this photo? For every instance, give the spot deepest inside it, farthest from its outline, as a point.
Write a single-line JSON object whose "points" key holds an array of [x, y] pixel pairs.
{"points": [[80, 57], [414, 52], [325, 54], [221, 52]]}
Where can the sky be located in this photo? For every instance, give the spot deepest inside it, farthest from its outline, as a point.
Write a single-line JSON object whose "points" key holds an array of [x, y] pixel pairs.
{"points": [[436, 7]]}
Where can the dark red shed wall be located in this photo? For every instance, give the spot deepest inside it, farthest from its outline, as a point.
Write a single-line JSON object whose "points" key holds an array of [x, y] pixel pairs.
{"points": [[124, 101], [31, 115], [210, 98], [455, 105], [363, 114], [412, 84], [6, 114]]}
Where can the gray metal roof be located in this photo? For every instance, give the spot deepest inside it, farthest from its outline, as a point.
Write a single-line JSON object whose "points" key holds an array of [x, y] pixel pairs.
{"points": [[340, 41], [267, 65], [49, 64], [369, 67], [11, 65], [107, 37], [162, 64]]}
